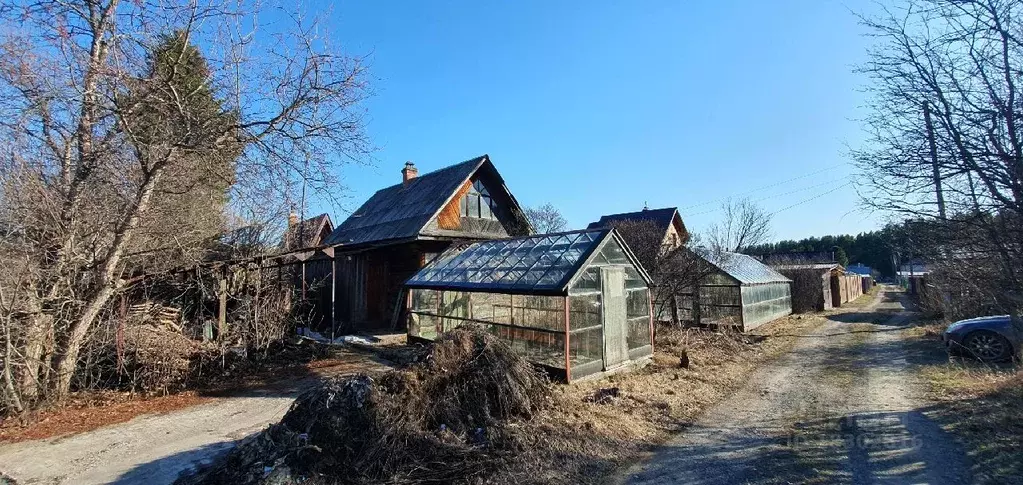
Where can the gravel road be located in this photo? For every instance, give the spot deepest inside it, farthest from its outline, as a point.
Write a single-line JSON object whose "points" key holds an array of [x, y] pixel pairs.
{"points": [[155, 449], [842, 407]]}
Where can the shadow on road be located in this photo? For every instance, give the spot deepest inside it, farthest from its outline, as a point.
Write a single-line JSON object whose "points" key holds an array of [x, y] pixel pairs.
{"points": [[879, 317], [167, 469], [860, 448]]}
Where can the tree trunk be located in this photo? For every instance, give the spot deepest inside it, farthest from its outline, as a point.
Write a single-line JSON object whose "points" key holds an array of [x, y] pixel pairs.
{"points": [[68, 360], [29, 379], [106, 286]]}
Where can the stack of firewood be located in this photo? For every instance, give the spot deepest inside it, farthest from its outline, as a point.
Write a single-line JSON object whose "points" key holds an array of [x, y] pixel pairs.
{"points": [[156, 314]]}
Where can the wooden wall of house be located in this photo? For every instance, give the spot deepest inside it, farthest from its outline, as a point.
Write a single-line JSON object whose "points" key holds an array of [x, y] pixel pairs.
{"points": [[370, 284], [450, 222]]}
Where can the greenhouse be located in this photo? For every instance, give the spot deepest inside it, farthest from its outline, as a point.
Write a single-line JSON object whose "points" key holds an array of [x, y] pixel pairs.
{"points": [[737, 291], [577, 303]]}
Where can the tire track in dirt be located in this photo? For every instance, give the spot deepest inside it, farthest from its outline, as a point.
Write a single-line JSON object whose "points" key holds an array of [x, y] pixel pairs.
{"points": [[842, 407]]}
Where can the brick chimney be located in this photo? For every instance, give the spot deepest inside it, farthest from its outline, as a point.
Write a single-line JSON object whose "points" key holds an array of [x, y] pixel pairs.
{"points": [[408, 173]]}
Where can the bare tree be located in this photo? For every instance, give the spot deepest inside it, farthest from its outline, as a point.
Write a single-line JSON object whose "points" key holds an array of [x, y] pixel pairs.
{"points": [[84, 174], [675, 268], [546, 218], [945, 147], [743, 224]]}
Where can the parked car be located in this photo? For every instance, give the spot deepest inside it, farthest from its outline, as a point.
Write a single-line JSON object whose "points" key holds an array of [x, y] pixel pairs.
{"points": [[990, 339]]}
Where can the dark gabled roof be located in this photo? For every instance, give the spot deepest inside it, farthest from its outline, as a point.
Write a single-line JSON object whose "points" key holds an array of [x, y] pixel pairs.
{"points": [[400, 212], [745, 269], [540, 264], [305, 233], [661, 217]]}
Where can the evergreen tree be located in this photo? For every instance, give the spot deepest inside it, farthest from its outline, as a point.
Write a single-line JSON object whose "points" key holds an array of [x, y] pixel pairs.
{"points": [[187, 117], [841, 256]]}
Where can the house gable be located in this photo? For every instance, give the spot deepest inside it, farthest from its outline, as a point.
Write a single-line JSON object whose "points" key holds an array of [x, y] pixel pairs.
{"points": [[482, 208], [426, 207], [666, 219], [309, 233]]}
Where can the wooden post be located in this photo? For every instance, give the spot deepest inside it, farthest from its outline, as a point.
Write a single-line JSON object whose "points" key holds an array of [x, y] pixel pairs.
{"points": [[568, 348], [303, 281], [408, 316], [653, 333], [333, 295], [935, 170], [222, 306]]}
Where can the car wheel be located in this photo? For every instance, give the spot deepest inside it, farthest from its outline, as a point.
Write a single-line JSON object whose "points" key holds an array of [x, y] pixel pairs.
{"points": [[987, 346]]}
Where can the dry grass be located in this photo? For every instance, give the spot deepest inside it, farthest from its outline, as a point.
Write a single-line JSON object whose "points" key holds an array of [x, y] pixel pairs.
{"points": [[585, 442], [979, 404], [862, 300]]}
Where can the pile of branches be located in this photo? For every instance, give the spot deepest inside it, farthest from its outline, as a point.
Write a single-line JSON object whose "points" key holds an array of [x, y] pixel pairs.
{"points": [[451, 416]]}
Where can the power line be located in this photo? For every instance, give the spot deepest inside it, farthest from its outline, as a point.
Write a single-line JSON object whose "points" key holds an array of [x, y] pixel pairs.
{"points": [[775, 196], [758, 189], [812, 198]]}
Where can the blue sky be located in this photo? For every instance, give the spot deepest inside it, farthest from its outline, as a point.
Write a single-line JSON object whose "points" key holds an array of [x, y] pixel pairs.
{"points": [[600, 107]]}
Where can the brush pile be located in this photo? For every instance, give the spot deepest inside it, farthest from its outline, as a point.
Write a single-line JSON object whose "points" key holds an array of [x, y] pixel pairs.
{"points": [[453, 415]]}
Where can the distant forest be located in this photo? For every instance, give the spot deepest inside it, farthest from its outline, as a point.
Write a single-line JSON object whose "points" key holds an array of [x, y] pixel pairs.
{"points": [[873, 249]]}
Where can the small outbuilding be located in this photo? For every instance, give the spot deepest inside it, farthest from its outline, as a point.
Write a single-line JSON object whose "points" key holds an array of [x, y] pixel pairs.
{"points": [[738, 291], [811, 285], [576, 303]]}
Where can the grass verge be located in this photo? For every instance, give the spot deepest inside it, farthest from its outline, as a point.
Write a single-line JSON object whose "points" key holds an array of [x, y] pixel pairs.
{"points": [[979, 404]]}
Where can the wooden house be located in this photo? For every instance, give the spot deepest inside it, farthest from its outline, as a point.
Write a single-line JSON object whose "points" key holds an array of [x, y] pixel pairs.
{"points": [[310, 233], [666, 220], [403, 227]]}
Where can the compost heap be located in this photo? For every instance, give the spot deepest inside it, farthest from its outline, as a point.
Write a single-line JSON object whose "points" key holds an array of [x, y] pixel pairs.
{"points": [[448, 417]]}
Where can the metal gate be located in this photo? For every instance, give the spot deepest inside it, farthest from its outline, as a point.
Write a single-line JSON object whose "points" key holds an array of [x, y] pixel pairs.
{"points": [[616, 349]]}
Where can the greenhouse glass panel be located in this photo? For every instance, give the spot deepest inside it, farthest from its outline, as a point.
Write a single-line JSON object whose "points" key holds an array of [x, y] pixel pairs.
{"points": [[742, 292], [586, 329], [527, 264], [764, 303], [638, 315]]}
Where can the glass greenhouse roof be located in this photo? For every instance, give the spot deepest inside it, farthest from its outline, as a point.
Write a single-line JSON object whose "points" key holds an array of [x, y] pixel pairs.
{"points": [[542, 263], [745, 269]]}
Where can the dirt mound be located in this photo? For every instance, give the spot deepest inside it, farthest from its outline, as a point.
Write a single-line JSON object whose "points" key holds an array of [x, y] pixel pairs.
{"points": [[448, 417]]}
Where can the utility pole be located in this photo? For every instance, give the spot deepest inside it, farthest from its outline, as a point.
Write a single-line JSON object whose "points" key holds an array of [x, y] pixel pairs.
{"points": [[934, 160]]}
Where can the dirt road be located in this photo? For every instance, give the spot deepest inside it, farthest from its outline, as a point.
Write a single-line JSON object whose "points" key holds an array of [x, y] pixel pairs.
{"points": [[842, 407], [155, 449]]}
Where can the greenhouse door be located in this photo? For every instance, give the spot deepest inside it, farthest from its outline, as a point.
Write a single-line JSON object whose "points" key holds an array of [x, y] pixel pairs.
{"points": [[616, 350]]}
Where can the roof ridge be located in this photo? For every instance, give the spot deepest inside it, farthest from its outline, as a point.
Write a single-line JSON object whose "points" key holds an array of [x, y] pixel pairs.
{"points": [[441, 169]]}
